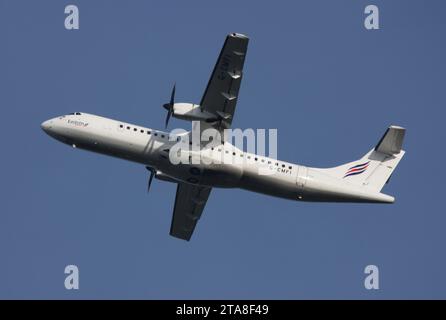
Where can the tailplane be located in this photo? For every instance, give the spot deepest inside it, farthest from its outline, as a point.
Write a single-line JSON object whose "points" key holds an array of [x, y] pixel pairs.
{"points": [[375, 168]]}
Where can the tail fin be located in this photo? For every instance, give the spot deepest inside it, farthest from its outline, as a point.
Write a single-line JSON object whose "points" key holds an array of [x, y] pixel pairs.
{"points": [[375, 168]]}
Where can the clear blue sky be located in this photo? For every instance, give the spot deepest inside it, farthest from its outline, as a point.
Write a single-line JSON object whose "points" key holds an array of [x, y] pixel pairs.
{"points": [[329, 86]]}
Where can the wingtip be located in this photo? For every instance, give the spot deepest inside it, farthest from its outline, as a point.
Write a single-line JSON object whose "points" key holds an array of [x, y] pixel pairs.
{"points": [[397, 127], [238, 35]]}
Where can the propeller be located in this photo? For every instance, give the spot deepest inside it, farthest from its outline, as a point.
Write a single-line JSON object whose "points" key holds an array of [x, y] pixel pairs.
{"points": [[169, 106], [152, 174]]}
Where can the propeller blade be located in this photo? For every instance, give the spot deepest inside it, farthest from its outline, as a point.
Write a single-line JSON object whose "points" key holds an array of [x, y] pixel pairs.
{"points": [[152, 174], [172, 96], [169, 113], [169, 106]]}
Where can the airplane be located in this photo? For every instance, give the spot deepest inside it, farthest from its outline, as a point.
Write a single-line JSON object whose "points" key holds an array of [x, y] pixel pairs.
{"points": [[358, 181]]}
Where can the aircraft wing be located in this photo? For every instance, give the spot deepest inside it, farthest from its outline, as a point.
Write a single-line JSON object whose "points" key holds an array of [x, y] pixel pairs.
{"points": [[222, 91], [190, 201]]}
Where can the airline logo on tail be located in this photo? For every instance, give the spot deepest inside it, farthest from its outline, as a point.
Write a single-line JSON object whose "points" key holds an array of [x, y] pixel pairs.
{"points": [[358, 169]]}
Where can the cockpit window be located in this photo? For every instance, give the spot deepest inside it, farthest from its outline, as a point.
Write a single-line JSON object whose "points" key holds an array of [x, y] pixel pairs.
{"points": [[75, 113]]}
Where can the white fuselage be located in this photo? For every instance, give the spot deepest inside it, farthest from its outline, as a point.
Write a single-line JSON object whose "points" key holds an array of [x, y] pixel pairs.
{"points": [[151, 148]]}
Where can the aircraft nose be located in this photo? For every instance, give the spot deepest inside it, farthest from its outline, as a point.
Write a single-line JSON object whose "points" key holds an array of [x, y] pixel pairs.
{"points": [[46, 125]]}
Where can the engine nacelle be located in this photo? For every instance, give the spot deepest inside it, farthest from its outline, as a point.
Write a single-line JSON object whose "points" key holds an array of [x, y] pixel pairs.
{"points": [[192, 112]]}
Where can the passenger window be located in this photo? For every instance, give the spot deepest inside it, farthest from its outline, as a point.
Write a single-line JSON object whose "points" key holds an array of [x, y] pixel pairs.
{"points": [[283, 166], [128, 128], [142, 131], [135, 129], [121, 126], [148, 132]]}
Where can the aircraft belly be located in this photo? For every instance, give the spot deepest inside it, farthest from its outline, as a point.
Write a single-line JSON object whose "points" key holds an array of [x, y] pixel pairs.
{"points": [[212, 175], [115, 146], [277, 185], [222, 175]]}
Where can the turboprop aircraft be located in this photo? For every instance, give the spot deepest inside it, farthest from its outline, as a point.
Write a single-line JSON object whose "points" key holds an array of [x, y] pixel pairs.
{"points": [[357, 181]]}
